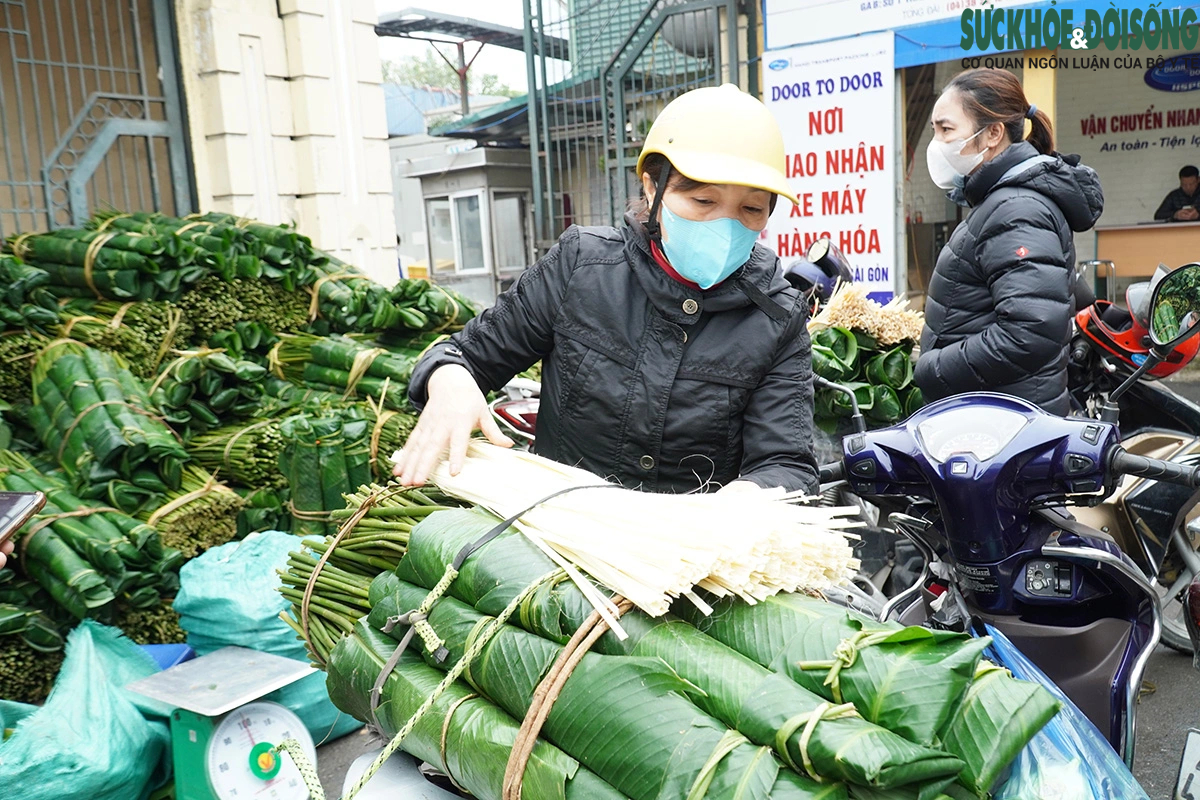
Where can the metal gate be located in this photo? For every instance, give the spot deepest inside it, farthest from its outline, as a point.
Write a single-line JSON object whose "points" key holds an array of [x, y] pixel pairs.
{"points": [[589, 115], [90, 112]]}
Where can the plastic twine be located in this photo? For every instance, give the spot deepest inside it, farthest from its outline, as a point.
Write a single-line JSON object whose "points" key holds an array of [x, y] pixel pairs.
{"points": [[119, 317], [381, 418], [314, 307], [363, 360], [238, 435], [209, 486], [18, 246], [73, 321], [183, 355], [49, 519], [136, 409], [193, 224], [103, 226], [430, 346], [454, 303]]}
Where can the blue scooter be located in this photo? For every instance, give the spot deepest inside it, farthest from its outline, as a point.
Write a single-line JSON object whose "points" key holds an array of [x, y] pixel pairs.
{"points": [[991, 477]]}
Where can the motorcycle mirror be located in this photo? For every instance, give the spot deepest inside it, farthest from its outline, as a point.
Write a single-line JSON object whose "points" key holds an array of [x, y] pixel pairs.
{"points": [[1174, 317], [830, 259], [856, 417], [1175, 308]]}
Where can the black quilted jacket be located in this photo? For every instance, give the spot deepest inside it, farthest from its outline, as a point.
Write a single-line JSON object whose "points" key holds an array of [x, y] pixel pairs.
{"points": [[645, 380], [1000, 303]]}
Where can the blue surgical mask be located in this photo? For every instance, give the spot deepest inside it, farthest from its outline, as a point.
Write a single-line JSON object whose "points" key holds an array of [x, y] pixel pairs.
{"points": [[706, 253]]}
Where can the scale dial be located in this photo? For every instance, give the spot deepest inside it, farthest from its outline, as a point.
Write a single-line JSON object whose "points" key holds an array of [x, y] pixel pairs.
{"points": [[239, 761]]}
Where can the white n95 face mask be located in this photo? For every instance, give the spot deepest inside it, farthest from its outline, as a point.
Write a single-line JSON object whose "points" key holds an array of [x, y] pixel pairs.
{"points": [[947, 162]]}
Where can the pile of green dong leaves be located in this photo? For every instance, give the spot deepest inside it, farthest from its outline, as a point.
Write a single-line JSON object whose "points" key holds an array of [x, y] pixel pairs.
{"points": [[791, 698], [881, 378]]}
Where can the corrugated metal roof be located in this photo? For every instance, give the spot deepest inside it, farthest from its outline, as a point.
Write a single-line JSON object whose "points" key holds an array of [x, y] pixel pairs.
{"points": [[412, 21]]}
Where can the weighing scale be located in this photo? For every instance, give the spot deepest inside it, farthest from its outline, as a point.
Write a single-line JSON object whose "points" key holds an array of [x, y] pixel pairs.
{"points": [[222, 735]]}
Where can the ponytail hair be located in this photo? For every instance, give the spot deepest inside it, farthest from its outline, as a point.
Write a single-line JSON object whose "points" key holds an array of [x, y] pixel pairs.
{"points": [[1041, 134], [995, 95]]}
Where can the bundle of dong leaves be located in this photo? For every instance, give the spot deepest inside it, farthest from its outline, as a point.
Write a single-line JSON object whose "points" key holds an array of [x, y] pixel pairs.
{"points": [[792, 697], [374, 369], [881, 378], [137, 385], [324, 458], [199, 389], [156, 257], [97, 420], [92, 559]]}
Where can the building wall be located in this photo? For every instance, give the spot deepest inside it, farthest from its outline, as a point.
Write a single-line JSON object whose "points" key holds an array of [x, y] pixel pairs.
{"points": [[1135, 180], [288, 121]]}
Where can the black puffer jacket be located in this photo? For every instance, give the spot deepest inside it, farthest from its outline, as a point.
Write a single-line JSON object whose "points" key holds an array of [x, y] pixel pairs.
{"points": [[1000, 303], [646, 380]]}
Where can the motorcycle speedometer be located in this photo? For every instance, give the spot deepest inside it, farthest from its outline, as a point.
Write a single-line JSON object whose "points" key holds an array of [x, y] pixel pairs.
{"points": [[981, 432]]}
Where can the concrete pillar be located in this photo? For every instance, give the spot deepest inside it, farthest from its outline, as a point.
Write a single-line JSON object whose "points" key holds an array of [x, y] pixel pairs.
{"points": [[1041, 85], [287, 120]]}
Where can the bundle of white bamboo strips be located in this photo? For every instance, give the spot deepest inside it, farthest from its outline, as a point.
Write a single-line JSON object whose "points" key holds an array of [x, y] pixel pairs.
{"points": [[850, 308], [654, 548]]}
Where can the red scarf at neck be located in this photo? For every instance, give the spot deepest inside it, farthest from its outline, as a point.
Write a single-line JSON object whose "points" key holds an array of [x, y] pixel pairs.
{"points": [[661, 260]]}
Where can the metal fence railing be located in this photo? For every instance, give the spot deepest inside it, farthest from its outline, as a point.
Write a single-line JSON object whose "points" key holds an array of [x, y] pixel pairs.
{"points": [[90, 112], [590, 114]]}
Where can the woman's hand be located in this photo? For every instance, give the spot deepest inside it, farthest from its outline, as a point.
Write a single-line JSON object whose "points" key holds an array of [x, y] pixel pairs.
{"points": [[5, 550], [454, 410], [739, 487]]}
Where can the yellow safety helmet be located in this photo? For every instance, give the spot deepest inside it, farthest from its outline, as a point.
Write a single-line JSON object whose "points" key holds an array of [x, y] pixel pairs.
{"points": [[720, 134]]}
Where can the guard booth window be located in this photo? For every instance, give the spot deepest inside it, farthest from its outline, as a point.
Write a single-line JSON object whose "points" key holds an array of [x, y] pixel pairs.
{"points": [[468, 224], [512, 248], [456, 234], [441, 236]]}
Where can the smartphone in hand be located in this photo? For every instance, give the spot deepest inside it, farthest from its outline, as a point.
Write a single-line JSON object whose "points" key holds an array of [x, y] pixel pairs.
{"points": [[17, 508]]}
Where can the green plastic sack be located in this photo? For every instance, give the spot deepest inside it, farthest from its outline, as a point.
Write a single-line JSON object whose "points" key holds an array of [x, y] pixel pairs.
{"points": [[89, 739], [216, 616]]}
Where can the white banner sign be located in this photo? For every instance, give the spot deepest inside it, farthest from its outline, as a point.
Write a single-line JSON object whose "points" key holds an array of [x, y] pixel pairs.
{"points": [[790, 22], [836, 105]]}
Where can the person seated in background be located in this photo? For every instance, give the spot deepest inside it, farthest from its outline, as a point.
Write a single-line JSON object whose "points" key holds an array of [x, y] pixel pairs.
{"points": [[1182, 204]]}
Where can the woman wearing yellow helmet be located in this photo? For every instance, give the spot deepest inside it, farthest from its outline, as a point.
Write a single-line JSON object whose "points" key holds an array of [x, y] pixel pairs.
{"points": [[675, 355]]}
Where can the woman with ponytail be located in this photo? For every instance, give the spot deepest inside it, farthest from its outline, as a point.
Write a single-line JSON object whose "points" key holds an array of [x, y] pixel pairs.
{"points": [[1000, 303]]}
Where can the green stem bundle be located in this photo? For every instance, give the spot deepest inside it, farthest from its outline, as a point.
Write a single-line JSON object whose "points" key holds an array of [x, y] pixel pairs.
{"points": [[200, 514], [247, 454]]}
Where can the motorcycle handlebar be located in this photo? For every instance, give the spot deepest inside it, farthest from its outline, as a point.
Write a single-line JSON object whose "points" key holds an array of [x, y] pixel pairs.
{"points": [[832, 473], [1125, 463]]}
